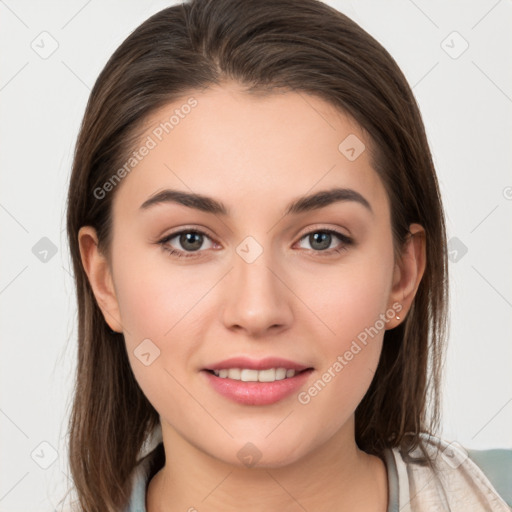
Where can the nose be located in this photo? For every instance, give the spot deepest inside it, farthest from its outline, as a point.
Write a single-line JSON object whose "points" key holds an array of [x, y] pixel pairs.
{"points": [[257, 299]]}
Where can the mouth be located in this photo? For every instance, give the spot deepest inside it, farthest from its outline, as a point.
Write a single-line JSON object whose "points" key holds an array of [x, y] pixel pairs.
{"points": [[251, 382], [250, 375]]}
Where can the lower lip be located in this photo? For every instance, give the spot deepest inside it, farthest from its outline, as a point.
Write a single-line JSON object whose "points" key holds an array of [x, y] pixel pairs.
{"points": [[257, 393]]}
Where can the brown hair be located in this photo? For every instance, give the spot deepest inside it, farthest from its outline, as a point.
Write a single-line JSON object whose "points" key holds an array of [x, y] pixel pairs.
{"points": [[264, 45]]}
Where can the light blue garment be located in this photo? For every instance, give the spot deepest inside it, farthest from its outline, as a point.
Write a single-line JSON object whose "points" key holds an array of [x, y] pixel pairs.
{"points": [[481, 481]]}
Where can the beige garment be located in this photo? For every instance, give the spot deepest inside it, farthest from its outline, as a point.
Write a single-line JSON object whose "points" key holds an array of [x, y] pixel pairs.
{"points": [[454, 483]]}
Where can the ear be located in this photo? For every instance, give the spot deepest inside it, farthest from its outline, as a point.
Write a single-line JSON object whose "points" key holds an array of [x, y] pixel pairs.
{"points": [[407, 274], [98, 272]]}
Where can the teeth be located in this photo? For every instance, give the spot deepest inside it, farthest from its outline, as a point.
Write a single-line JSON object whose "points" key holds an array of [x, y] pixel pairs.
{"points": [[267, 375], [234, 373], [247, 375], [281, 373]]}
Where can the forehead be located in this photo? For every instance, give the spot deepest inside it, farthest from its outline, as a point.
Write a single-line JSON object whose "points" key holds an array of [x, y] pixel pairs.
{"points": [[248, 149]]}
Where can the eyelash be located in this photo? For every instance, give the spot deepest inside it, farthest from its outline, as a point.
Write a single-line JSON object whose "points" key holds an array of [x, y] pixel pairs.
{"points": [[344, 239]]}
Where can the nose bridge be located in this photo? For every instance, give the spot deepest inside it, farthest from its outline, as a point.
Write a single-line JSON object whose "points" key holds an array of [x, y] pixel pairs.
{"points": [[257, 300]]}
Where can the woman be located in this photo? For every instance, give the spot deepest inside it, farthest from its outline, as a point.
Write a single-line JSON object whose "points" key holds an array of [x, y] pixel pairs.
{"points": [[260, 257]]}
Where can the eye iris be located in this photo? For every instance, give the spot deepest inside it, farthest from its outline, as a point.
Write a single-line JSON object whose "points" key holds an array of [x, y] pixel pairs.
{"points": [[191, 241], [322, 238]]}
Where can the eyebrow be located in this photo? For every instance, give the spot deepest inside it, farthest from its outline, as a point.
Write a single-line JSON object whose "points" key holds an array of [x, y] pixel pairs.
{"points": [[303, 204]]}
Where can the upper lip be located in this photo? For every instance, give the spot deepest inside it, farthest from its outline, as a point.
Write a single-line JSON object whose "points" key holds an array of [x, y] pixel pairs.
{"points": [[257, 364]]}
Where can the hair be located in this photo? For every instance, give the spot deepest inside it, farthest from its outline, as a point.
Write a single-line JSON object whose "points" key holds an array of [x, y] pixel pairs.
{"points": [[265, 46]]}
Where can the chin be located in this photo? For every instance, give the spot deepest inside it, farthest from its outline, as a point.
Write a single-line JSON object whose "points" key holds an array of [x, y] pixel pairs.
{"points": [[261, 454]]}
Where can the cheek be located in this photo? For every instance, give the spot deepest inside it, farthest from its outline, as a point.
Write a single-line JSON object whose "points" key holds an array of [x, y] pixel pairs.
{"points": [[161, 310], [347, 299], [348, 356], [155, 296], [352, 309]]}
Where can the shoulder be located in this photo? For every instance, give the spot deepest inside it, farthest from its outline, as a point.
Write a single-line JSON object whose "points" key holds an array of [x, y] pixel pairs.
{"points": [[141, 475], [496, 464], [455, 479]]}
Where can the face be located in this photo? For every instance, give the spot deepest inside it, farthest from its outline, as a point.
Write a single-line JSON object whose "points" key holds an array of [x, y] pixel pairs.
{"points": [[245, 275]]}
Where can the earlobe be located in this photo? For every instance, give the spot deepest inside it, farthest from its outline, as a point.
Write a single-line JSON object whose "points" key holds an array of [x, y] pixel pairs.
{"points": [[98, 272], [409, 270]]}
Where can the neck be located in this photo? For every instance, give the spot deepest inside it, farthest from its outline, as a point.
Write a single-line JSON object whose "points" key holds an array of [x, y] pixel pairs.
{"points": [[335, 476]]}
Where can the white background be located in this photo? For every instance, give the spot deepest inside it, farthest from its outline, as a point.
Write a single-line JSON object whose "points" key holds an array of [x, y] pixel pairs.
{"points": [[466, 103]]}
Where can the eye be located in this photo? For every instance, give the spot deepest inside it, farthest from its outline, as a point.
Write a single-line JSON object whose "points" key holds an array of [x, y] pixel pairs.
{"points": [[183, 242], [321, 240]]}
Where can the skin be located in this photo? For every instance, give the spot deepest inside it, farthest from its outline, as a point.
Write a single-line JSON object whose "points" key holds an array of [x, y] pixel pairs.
{"points": [[255, 154]]}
